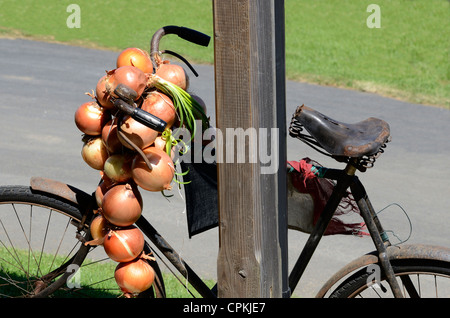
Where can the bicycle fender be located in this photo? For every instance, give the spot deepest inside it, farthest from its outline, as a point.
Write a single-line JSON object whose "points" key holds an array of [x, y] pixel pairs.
{"points": [[413, 251], [60, 189]]}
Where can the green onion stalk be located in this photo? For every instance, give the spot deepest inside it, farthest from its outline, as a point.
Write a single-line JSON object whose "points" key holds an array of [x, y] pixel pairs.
{"points": [[187, 108]]}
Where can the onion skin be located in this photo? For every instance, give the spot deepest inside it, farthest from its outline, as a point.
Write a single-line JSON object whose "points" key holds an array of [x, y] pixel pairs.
{"points": [[160, 143], [135, 276], [99, 227], [100, 192], [139, 134], [102, 95], [110, 137], [124, 244], [161, 175], [173, 73], [94, 153], [118, 168], [122, 205], [90, 118], [127, 75], [161, 106], [135, 57]]}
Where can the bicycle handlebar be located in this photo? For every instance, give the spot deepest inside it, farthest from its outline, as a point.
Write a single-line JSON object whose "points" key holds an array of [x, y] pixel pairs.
{"points": [[187, 34]]}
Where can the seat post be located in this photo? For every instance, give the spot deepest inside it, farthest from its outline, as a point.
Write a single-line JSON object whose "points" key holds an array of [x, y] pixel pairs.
{"points": [[351, 167]]}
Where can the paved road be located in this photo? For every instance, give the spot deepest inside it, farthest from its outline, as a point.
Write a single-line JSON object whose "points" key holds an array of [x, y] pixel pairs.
{"points": [[42, 84]]}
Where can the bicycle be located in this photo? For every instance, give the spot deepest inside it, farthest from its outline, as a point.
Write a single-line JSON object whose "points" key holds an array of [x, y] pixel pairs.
{"points": [[67, 212]]}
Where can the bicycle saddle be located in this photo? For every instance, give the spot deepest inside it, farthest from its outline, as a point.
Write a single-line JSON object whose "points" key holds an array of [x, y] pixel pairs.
{"points": [[362, 139]]}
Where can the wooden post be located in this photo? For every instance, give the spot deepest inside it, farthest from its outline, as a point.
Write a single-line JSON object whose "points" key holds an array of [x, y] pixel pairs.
{"points": [[250, 95]]}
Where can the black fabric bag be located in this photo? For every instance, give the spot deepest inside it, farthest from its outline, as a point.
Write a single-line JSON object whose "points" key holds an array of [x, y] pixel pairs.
{"points": [[201, 196]]}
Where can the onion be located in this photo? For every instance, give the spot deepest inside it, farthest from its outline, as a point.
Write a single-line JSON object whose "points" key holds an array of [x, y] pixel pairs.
{"points": [[99, 227], [134, 277], [102, 95], [135, 57], [103, 186], [90, 118], [100, 192], [161, 106], [124, 244], [160, 143], [94, 152], [118, 167], [139, 134], [127, 75], [161, 175], [122, 205], [110, 137], [173, 73]]}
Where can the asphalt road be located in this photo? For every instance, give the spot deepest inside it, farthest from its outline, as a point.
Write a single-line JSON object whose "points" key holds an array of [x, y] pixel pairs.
{"points": [[42, 84]]}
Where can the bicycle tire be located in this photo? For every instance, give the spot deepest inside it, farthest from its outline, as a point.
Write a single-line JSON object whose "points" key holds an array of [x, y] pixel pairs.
{"points": [[21, 210], [417, 278]]}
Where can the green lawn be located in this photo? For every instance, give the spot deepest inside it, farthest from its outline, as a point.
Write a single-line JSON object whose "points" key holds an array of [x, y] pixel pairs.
{"points": [[96, 278], [327, 41]]}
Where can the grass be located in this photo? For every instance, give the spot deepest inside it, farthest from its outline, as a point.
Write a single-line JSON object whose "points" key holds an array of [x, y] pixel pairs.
{"points": [[93, 272], [327, 42]]}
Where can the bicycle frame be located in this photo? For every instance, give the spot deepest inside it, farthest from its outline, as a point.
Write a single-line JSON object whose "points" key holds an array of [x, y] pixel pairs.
{"points": [[346, 178]]}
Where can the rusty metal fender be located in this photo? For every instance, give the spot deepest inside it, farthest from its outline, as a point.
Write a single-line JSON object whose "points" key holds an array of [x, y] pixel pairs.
{"points": [[61, 189], [414, 251]]}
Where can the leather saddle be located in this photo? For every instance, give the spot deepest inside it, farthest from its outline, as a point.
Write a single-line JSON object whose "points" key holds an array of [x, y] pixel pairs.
{"points": [[363, 139]]}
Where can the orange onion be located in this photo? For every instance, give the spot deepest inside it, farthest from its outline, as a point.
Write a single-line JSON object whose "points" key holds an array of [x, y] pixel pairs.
{"points": [[118, 167], [102, 94], [127, 75], [139, 134], [161, 174], [103, 186], [160, 143], [173, 73], [99, 227], [135, 57], [94, 152], [135, 276], [110, 137], [100, 193], [122, 204], [124, 244], [90, 118], [161, 106]]}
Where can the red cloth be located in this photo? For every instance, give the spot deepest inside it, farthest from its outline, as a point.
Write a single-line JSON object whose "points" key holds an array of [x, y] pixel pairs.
{"points": [[320, 189]]}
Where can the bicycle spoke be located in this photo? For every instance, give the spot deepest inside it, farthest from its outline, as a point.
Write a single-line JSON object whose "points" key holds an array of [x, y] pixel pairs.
{"points": [[409, 286], [13, 253], [27, 238]]}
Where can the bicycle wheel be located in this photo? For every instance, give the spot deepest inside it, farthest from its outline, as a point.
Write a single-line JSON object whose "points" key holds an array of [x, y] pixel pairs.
{"points": [[40, 254], [418, 278]]}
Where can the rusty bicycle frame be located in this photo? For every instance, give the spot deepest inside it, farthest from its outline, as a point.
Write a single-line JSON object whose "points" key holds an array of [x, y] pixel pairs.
{"points": [[345, 178]]}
